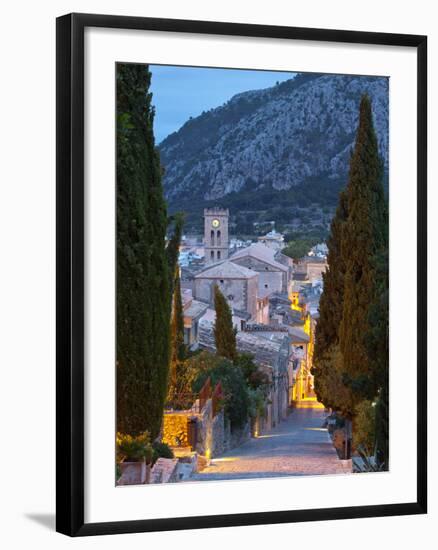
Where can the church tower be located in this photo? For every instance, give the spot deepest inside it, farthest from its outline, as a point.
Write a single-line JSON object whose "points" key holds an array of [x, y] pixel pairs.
{"points": [[215, 234]]}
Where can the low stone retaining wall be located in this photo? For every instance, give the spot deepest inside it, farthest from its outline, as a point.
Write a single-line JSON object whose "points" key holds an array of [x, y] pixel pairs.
{"points": [[236, 437], [211, 432], [165, 470]]}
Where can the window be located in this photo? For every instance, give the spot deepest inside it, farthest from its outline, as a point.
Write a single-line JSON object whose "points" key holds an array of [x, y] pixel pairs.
{"points": [[212, 237], [212, 254], [218, 238], [222, 281], [266, 286], [218, 254]]}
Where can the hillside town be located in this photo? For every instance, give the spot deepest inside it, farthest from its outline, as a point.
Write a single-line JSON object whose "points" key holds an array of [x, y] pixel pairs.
{"points": [[274, 304], [273, 300]]}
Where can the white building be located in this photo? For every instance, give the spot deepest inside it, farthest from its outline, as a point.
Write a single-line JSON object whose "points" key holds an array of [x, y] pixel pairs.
{"points": [[273, 240]]}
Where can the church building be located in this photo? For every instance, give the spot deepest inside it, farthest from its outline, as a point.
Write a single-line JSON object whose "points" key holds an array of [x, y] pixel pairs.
{"points": [[238, 284], [273, 276]]}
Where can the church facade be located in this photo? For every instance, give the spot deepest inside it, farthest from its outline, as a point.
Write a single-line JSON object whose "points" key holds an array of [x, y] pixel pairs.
{"points": [[272, 275], [238, 284]]}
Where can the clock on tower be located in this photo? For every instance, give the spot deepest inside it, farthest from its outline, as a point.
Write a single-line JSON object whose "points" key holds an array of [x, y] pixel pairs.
{"points": [[215, 223]]}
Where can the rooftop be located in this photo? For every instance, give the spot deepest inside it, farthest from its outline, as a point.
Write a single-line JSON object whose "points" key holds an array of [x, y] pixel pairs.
{"points": [[265, 347], [260, 252], [314, 260], [298, 336], [273, 235], [226, 270], [209, 316], [195, 309]]}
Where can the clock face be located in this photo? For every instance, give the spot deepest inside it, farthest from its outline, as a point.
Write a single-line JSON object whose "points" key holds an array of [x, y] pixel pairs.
{"points": [[215, 223]]}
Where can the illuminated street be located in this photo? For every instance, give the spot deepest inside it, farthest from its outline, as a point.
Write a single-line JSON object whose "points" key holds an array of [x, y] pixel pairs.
{"points": [[297, 446]]}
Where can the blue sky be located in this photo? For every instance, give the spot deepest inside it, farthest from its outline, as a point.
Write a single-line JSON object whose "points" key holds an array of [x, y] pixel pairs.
{"points": [[182, 92]]}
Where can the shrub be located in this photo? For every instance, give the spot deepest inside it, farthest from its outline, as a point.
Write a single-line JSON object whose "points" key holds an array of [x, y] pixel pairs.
{"points": [[364, 433], [133, 449], [234, 388], [255, 378], [257, 402], [160, 449]]}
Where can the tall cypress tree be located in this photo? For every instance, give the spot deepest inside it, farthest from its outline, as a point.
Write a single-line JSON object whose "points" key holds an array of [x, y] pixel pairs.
{"points": [[351, 354], [144, 284], [178, 348], [224, 332], [364, 237], [329, 387]]}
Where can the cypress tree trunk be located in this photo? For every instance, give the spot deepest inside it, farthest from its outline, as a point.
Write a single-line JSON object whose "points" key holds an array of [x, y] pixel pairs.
{"points": [[364, 237], [144, 286], [224, 333]]}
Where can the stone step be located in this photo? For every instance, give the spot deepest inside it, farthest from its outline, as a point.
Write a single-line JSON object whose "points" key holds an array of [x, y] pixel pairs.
{"points": [[308, 404]]}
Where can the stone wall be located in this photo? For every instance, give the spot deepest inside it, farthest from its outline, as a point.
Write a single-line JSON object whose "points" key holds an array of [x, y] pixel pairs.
{"points": [[165, 470], [175, 429], [237, 437], [273, 277], [210, 437], [315, 270], [242, 291]]}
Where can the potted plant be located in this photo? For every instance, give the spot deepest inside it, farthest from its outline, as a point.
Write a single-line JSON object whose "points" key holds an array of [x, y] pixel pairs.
{"points": [[134, 456]]}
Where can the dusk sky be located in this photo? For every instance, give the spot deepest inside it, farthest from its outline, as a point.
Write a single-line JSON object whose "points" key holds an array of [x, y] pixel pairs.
{"points": [[182, 92]]}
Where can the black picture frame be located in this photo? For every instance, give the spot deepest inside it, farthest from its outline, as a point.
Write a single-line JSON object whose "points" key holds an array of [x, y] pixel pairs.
{"points": [[70, 273]]}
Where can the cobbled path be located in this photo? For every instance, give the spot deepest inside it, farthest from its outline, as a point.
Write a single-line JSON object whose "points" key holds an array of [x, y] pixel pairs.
{"points": [[297, 446]]}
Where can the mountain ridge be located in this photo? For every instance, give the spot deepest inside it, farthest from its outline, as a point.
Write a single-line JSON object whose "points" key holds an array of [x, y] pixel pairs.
{"points": [[286, 137]]}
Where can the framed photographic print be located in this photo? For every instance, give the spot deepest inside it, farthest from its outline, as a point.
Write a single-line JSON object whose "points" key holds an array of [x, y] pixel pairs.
{"points": [[241, 274]]}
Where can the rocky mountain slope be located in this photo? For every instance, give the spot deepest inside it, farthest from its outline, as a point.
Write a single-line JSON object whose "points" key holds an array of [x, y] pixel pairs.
{"points": [[298, 133]]}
